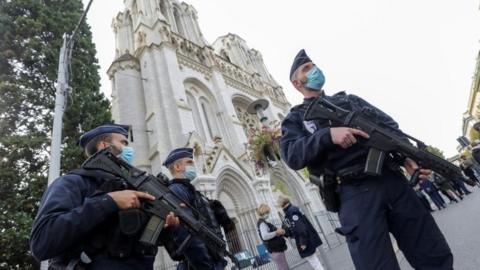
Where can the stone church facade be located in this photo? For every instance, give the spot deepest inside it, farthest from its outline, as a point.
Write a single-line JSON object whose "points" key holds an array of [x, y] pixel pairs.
{"points": [[176, 89]]}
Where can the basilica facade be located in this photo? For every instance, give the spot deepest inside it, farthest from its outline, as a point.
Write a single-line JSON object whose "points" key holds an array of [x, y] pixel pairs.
{"points": [[176, 89]]}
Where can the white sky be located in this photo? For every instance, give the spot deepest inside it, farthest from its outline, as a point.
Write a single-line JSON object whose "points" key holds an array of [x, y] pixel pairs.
{"points": [[413, 59]]}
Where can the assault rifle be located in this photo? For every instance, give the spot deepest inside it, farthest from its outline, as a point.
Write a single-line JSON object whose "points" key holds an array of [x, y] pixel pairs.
{"points": [[383, 140], [165, 202]]}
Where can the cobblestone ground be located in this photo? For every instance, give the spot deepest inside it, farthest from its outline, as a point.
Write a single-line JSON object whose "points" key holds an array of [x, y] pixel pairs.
{"points": [[460, 223]]}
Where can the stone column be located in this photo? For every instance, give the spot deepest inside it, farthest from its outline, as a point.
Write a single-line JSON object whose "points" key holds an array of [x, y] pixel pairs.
{"points": [[128, 103], [234, 139], [160, 68]]}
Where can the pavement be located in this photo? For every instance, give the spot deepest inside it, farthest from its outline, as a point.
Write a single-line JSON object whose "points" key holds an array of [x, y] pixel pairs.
{"points": [[459, 223]]}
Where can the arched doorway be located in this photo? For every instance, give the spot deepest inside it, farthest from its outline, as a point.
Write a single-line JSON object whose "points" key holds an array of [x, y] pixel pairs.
{"points": [[238, 196]]}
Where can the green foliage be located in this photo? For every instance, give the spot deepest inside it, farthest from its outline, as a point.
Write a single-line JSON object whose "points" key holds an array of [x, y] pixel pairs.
{"points": [[434, 150], [281, 187], [473, 135], [261, 139], [305, 173], [30, 38]]}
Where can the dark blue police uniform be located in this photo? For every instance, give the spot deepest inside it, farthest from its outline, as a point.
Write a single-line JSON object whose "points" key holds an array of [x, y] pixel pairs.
{"points": [[370, 207], [303, 231], [197, 255], [72, 211]]}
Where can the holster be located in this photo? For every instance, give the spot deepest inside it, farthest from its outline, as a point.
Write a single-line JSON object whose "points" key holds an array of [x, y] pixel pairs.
{"points": [[68, 261], [328, 190], [123, 241]]}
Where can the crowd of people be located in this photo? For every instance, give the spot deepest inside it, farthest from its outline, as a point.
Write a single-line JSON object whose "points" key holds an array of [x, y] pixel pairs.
{"points": [[442, 191]]}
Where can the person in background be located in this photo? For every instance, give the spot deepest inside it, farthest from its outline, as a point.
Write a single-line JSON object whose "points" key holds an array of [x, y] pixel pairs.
{"points": [[427, 186], [272, 237], [445, 187], [306, 237]]}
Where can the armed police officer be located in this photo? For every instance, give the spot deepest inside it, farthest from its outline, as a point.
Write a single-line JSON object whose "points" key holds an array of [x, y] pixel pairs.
{"points": [[82, 216], [189, 249], [369, 207]]}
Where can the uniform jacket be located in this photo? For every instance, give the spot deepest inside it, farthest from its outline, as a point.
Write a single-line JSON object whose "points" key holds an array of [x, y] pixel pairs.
{"points": [[303, 231], [195, 252], [70, 211], [309, 143]]}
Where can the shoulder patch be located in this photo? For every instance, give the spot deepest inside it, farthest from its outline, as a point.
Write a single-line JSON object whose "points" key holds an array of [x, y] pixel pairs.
{"points": [[310, 126], [295, 218]]}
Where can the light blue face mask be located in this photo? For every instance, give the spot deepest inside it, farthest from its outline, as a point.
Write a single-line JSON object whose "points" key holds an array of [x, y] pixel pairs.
{"points": [[190, 172], [127, 154], [315, 79]]}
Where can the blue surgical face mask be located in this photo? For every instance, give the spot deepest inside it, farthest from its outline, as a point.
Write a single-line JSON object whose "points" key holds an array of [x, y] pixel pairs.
{"points": [[127, 154], [315, 79], [190, 172]]}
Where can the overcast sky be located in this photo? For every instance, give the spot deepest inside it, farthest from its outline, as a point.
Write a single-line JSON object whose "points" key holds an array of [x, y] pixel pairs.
{"points": [[413, 59]]}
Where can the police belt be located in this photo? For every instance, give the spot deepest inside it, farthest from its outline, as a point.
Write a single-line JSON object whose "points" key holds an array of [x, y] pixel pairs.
{"points": [[354, 174], [348, 176]]}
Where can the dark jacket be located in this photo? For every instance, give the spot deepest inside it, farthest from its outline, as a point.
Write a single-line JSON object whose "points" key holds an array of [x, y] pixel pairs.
{"points": [[71, 210], [277, 243], [195, 252], [427, 186], [309, 143], [303, 231]]}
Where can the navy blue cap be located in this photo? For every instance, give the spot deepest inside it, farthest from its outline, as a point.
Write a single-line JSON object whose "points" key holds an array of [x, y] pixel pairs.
{"points": [[299, 60], [177, 154], [103, 129]]}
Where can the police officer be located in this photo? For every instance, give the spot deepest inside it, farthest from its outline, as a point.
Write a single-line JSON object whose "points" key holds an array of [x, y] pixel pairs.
{"points": [[306, 237], [77, 224], [195, 254], [370, 207]]}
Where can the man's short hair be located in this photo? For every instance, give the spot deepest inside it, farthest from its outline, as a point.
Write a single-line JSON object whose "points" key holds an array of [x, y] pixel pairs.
{"points": [[294, 75], [91, 147], [283, 200], [170, 166]]}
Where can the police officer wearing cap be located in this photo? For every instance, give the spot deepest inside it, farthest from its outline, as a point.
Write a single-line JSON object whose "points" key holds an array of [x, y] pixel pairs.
{"points": [[369, 207], [77, 225], [193, 254]]}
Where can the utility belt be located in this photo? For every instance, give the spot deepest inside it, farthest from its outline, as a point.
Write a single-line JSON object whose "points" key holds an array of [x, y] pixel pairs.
{"points": [[328, 184]]}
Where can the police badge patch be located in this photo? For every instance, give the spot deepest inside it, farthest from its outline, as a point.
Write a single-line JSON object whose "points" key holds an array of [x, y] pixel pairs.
{"points": [[310, 126]]}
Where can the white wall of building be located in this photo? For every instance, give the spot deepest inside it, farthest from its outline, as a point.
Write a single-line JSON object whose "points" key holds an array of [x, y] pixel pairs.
{"points": [[176, 90]]}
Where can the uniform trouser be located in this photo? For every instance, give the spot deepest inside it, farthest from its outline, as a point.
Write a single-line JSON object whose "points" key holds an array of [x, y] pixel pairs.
{"points": [[375, 206]]}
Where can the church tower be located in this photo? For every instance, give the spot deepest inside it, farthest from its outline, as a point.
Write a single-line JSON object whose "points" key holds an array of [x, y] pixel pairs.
{"points": [[176, 90]]}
